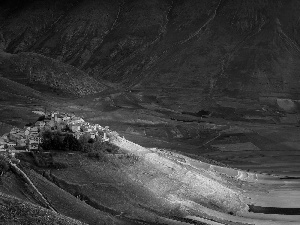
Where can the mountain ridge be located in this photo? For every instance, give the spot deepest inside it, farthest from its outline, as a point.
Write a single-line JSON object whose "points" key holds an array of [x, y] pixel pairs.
{"points": [[134, 43]]}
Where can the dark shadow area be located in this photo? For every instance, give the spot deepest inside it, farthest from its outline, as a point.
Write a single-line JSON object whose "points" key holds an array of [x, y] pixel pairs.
{"points": [[290, 178], [274, 210], [201, 113]]}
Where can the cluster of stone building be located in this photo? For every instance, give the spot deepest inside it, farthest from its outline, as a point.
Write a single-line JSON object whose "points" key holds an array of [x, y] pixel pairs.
{"points": [[20, 139], [30, 138]]}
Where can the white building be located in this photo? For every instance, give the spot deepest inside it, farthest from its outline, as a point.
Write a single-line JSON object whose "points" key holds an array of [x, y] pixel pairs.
{"points": [[14, 130], [34, 131], [5, 137], [75, 128], [13, 136], [66, 118], [92, 135], [105, 138], [2, 145], [40, 124], [11, 144], [27, 132], [77, 120], [22, 142], [54, 114], [58, 119], [77, 135], [49, 123], [87, 129], [33, 143]]}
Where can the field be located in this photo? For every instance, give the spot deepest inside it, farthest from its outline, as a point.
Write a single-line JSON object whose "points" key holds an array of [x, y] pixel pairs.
{"points": [[164, 183], [276, 151]]}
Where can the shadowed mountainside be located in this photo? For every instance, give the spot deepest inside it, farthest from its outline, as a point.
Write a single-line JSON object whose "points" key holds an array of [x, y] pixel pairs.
{"points": [[187, 52], [21, 210], [38, 71]]}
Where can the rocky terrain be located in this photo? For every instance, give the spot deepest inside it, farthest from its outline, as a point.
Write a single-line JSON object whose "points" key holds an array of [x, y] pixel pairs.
{"points": [[193, 55]]}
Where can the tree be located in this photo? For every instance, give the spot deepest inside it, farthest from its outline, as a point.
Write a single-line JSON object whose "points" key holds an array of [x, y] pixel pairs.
{"points": [[70, 143], [52, 141], [84, 143], [41, 118], [56, 142], [47, 140], [4, 165]]}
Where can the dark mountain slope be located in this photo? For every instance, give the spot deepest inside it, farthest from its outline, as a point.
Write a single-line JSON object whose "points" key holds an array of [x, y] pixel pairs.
{"points": [[16, 211], [13, 91], [16, 104], [194, 51], [42, 72]]}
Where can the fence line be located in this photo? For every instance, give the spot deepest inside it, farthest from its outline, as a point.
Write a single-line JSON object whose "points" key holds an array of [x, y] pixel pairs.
{"points": [[21, 173]]}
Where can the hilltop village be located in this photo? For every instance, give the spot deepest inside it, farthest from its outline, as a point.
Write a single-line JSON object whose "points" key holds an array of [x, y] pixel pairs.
{"points": [[30, 137]]}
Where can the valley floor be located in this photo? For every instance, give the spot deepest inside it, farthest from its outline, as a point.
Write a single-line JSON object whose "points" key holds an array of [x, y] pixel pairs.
{"points": [[182, 174]]}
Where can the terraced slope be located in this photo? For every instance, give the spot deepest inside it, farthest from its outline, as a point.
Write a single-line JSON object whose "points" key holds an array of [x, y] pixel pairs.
{"points": [[155, 186], [220, 194]]}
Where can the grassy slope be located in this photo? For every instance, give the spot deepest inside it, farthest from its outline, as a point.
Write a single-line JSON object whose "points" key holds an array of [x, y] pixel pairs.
{"points": [[4, 128], [69, 205], [16, 200], [106, 184], [16, 211], [33, 69], [135, 187], [16, 102], [13, 91]]}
